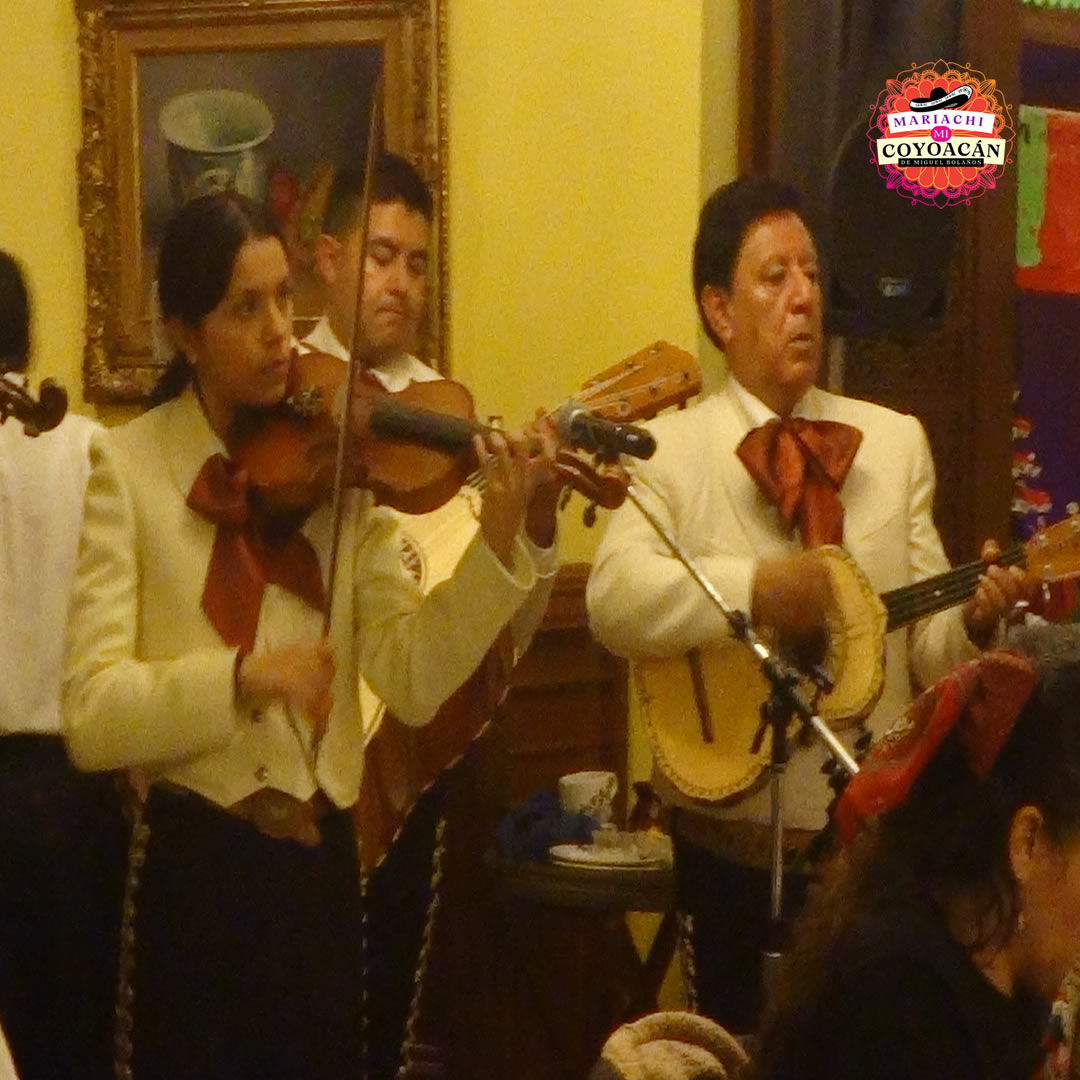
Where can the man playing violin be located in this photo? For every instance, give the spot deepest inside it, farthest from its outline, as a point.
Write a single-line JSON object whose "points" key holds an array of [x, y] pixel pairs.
{"points": [[747, 488], [393, 304], [199, 660]]}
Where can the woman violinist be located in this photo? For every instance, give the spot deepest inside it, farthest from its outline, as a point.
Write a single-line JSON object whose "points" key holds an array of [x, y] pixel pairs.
{"points": [[196, 656]]}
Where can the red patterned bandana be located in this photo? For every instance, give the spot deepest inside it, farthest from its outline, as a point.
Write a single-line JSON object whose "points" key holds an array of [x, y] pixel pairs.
{"points": [[981, 699]]}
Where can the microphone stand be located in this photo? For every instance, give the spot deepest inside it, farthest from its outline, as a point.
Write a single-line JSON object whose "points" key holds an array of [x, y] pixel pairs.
{"points": [[785, 701]]}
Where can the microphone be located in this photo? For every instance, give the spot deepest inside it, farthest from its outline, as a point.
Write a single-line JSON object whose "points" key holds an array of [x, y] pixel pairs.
{"points": [[581, 428]]}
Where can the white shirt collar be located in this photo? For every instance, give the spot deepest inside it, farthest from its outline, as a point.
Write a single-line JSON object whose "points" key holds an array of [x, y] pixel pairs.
{"points": [[323, 339], [395, 375], [757, 412]]}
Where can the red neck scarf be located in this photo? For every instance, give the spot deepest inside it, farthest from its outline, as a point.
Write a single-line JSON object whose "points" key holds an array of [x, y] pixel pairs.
{"points": [[247, 556], [800, 466]]}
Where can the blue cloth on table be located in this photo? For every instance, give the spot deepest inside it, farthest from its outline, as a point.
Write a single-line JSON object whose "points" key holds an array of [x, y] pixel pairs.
{"points": [[528, 832]]}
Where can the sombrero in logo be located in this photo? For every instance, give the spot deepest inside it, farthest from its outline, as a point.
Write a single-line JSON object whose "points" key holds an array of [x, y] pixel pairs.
{"points": [[939, 99]]}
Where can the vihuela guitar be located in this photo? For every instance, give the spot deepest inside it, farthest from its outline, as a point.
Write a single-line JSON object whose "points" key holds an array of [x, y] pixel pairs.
{"points": [[702, 710], [402, 762]]}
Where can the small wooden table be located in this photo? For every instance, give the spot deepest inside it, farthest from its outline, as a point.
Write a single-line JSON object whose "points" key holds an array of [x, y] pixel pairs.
{"points": [[566, 945]]}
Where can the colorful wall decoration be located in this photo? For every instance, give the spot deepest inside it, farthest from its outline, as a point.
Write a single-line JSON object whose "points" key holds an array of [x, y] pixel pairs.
{"points": [[1048, 200], [1046, 425]]}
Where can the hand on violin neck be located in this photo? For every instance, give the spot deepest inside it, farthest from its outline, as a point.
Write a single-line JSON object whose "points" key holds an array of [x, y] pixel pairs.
{"points": [[510, 474], [298, 675], [540, 514]]}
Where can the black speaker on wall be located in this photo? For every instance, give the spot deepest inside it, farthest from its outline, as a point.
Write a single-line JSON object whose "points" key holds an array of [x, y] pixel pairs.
{"points": [[887, 260]]}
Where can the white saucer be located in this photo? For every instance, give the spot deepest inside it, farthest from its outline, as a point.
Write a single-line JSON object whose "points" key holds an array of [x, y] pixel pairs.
{"points": [[606, 858]]}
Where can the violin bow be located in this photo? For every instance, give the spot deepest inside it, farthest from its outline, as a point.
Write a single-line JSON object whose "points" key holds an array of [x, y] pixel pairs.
{"points": [[336, 500], [374, 133]]}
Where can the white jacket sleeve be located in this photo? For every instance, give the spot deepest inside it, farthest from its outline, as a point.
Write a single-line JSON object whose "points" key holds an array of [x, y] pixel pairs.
{"points": [[642, 600], [416, 650], [939, 642], [120, 711]]}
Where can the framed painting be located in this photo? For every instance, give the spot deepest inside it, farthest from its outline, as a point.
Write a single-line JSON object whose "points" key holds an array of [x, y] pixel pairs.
{"points": [[187, 96]]}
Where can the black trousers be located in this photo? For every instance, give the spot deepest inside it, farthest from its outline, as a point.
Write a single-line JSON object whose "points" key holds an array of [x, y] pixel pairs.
{"points": [[252, 955], [247, 950], [63, 841], [729, 906]]}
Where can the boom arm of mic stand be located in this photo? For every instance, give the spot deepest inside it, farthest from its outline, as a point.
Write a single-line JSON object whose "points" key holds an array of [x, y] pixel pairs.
{"points": [[775, 670]]}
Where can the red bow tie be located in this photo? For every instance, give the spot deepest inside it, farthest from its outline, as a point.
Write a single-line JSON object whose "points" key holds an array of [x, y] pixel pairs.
{"points": [[800, 466], [247, 556]]}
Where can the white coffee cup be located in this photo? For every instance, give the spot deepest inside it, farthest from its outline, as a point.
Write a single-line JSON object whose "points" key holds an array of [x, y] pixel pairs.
{"points": [[591, 792]]}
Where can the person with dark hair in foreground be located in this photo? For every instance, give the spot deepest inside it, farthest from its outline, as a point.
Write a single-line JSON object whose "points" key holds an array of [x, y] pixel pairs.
{"points": [[946, 924]]}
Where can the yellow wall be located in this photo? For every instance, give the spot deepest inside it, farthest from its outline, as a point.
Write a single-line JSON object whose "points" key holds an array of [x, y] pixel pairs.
{"points": [[579, 147], [574, 132], [39, 138]]}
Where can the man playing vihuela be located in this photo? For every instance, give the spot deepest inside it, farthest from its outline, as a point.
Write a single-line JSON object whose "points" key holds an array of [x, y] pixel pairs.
{"points": [[750, 480]]}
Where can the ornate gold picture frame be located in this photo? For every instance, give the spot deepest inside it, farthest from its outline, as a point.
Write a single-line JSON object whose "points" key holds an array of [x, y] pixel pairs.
{"points": [[267, 97]]}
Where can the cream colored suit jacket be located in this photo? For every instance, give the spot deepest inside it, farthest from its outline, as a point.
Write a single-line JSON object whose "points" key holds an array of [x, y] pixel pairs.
{"points": [[149, 682], [643, 602]]}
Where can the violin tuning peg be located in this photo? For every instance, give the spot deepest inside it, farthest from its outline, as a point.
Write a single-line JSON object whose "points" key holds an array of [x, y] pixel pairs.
{"points": [[589, 516], [564, 497]]}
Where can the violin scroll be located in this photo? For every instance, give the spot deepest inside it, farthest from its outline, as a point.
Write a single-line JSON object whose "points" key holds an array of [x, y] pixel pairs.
{"points": [[603, 483], [35, 415]]}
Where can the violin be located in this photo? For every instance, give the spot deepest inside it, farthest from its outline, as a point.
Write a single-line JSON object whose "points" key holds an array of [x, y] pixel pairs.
{"points": [[290, 451], [35, 415]]}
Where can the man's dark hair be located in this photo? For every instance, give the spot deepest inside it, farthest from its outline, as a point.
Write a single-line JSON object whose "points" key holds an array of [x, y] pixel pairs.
{"points": [[14, 315], [396, 180], [723, 224]]}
